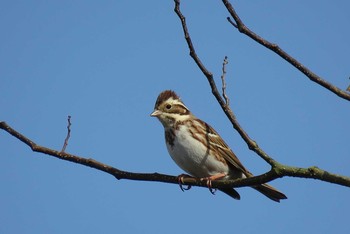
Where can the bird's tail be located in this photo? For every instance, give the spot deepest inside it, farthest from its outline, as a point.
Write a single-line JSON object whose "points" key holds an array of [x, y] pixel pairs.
{"points": [[270, 192], [231, 192]]}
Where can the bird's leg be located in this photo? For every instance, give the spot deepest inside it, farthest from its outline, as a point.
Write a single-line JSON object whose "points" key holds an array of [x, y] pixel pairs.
{"points": [[180, 180], [209, 179]]}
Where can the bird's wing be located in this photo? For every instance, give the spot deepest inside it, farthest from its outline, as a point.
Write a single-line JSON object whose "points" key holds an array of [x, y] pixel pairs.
{"points": [[219, 145]]}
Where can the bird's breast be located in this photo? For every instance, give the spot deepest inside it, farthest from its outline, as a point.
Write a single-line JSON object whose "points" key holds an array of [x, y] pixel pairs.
{"points": [[192, 155]]}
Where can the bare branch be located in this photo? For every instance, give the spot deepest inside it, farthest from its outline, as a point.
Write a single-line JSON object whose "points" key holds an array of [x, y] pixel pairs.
{"points": [[68, 135], [119, 174], [277, 172], [275, 48], [223, 76]]}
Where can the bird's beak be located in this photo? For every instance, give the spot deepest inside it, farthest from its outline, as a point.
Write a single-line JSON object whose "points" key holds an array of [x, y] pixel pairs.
{"points": [[155, 113]]}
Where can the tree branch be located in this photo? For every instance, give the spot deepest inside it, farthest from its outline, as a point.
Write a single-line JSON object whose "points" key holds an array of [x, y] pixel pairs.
{"points": [[275, 48], [312, 172]]}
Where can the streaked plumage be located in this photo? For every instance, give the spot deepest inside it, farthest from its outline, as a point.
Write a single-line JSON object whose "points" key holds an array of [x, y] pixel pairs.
{"points": [[197, 148]]}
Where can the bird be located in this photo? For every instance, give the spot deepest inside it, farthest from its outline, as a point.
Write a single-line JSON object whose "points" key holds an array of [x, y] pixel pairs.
{"points": [[198, 149]]}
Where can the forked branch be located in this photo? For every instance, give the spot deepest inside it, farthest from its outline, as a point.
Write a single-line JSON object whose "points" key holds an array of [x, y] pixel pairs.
{"points": [[278, 169]]}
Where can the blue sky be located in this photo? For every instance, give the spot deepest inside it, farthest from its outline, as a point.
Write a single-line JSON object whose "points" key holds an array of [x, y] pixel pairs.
{"points": [[104, 63]]}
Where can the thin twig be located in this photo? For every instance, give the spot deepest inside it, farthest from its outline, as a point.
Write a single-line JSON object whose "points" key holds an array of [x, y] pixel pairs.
{"points": [[348, 89], [223, 76], [68, 135], [231, 22], [275, 48]]}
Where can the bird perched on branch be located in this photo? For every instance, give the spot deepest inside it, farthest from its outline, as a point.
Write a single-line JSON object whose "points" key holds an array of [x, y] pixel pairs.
{"points": [[198, 149]]}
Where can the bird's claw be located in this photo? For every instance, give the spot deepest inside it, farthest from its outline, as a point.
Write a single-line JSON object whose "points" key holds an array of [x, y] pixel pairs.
{"points": [[180, 180], [210, 179], [211, 190]]}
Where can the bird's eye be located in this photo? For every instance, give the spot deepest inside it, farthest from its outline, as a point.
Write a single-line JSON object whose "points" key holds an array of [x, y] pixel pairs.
{"points": [[168, 106]]}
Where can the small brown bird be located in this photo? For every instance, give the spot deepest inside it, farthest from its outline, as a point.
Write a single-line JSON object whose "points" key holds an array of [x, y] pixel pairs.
{"points": [[198, 149]]}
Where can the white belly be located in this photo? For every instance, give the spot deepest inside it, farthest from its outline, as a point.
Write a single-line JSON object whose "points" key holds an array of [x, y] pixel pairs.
{"points": [[193, 157]]}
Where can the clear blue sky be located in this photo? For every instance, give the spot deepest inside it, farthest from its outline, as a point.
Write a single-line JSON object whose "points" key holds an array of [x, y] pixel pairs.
{"points": [[104, 63]]}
